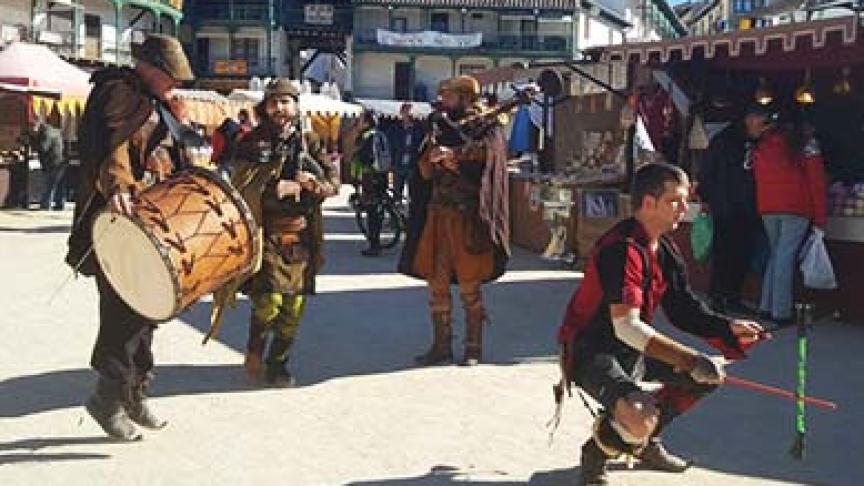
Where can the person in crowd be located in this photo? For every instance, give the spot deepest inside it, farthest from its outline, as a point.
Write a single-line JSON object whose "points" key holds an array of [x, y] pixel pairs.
{"points": [[791, 198], [370, 168], [609, 343], [119, 138], [459, 230], [282, 174], [405, 139], [48, 141], [728, 191]]}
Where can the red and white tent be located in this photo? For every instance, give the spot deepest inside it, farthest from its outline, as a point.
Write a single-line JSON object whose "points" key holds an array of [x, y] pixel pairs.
{"points": [[36, 66]]}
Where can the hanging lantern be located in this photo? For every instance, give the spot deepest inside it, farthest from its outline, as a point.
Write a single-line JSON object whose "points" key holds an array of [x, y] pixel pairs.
{"points": [[843, 87], [804, 94], [764, 95]]}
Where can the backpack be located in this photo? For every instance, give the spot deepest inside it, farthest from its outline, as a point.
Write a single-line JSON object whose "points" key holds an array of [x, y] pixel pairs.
{"points": [[383, 160]]}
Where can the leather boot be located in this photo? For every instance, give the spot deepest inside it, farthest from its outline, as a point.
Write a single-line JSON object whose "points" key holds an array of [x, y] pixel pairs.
{"points": [[253, 364], [105, 405], [277, 373], [138, 409], [474, 337], [441, 351], [655, 456], [592, 468]]}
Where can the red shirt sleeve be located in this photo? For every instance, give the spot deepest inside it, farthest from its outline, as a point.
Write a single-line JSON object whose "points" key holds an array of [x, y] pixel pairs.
{"points": [[622, 275]]}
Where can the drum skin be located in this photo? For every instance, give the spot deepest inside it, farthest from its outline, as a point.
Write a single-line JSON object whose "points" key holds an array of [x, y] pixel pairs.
{"points": [[201, 229]]}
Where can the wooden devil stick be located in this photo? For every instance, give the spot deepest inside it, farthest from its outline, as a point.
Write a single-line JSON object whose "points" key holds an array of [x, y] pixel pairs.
{"points": [[771, 390]]}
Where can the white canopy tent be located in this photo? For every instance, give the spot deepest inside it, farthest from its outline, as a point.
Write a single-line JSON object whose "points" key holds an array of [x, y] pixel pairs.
{"points": [[390, 108], [310, 103]]}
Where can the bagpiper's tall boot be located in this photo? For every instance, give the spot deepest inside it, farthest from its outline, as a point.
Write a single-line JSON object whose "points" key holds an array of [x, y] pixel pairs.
{"points": [[138, 409], [105, 405], [255, 345], [474, 320], [441, 351]]}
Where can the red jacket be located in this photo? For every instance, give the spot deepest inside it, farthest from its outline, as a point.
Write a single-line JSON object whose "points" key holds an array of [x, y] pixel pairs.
{"points": [[788, 186]]}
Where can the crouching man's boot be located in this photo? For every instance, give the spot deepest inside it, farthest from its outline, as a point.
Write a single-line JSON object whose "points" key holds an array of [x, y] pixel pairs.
{"points": [[441, 351], [655, 456], [106, 406], [475, 318], [592, 469], [138, 409], [277, 373]]}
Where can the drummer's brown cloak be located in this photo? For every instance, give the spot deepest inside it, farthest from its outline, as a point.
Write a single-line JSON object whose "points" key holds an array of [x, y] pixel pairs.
{"points": [[118, 106]]}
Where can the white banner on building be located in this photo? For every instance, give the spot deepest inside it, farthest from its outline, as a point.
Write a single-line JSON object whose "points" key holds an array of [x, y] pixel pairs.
{"points": [[428, 38]]}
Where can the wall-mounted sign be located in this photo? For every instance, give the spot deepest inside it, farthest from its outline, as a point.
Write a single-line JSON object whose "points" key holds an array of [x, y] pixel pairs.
{"points": [[230, 67], [318, 14], [428, 38]]}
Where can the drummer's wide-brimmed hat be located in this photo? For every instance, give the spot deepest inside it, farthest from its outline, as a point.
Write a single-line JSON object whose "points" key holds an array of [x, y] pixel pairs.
{"points": [[166, 53]]}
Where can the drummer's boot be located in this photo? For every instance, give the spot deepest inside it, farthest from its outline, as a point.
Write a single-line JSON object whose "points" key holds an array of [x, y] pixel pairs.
{"points": [[138, 409], [441, 351], [254, 362], [105, 405], [474, 320]]}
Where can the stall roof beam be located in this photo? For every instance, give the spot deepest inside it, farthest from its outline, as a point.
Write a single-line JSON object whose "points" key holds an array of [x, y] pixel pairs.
{"points": [[732, 44]]}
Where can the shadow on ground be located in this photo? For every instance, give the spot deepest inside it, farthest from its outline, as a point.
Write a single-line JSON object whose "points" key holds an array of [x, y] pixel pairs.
{"points": [[57, 228], [444, 475]]}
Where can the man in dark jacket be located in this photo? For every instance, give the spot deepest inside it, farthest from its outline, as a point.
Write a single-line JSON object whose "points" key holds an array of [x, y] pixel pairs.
{"points": [[49, 146], [405, 139], [119, 137], [727, 187]]}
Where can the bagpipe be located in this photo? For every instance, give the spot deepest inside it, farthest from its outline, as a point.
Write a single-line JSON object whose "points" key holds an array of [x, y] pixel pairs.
{"points": [[478, 121]]}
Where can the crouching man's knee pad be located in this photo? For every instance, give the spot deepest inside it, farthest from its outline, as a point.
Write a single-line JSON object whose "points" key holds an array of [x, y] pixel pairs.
{"points": [[614, 439]]}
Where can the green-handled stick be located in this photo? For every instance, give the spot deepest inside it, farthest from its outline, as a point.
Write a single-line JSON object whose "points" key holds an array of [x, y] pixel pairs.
{"points": [[803, 314]]}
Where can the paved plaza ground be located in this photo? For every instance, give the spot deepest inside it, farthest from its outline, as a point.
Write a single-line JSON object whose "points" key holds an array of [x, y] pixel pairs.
{"points": [[362, 415]]}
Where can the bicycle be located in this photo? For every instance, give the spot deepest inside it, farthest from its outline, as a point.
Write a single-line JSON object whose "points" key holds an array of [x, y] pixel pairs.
{"points": [[391, 209]]}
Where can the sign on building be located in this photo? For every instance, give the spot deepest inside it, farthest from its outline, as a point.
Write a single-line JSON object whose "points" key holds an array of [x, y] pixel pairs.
{"points": [[319, 14], [230, 67]]}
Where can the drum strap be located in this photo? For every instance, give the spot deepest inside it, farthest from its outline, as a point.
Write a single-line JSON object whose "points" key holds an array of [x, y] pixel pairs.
{"points": [[182, 134]]}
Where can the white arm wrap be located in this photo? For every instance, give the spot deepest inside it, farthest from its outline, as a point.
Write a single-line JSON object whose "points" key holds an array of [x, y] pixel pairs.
{"points": [[632, 331]]}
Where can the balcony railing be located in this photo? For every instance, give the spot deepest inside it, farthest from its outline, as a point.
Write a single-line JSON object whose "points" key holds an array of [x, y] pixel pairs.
{"points": [[223, 11], [490, 42]]}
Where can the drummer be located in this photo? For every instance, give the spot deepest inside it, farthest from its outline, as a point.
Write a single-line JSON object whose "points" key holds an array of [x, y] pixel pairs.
{"points": [[120, 139], [284, 176]]}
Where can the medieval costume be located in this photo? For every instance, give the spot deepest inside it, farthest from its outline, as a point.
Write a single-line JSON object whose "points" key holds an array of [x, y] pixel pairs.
{"points": [[292, 252], [122, 143], [458, 230], [608, 353]]}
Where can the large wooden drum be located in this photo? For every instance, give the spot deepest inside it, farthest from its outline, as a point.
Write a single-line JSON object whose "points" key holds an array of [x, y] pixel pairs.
{"points": [[186, 237]]}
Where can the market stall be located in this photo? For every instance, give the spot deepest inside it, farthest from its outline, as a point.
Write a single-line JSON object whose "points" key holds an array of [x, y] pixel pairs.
{"points": [[574, 148], [816, 66], [35, 82]]}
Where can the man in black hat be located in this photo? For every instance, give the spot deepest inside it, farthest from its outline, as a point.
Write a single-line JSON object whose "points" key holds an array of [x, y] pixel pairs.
{"points": [[120, 136], [284, 176], [727, 188]]}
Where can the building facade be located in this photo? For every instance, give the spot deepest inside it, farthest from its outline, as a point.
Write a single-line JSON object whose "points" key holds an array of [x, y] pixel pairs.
{"points": [[233, 40], [88, 31], [402, 49]]}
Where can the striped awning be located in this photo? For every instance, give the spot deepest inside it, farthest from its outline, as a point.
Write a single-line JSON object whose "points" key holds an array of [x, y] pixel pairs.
{"points": [[488, 4]]}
